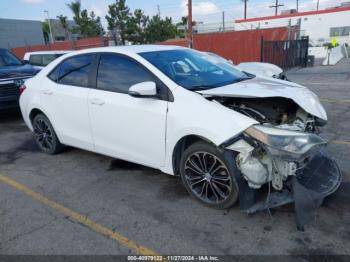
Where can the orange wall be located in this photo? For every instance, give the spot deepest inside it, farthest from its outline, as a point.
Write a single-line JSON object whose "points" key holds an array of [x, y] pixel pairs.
{"points": [[66, 45], [238, 46]]}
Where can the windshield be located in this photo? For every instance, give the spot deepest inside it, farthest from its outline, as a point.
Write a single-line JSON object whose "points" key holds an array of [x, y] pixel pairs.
{"points": [[8, 59], [195, 70]]}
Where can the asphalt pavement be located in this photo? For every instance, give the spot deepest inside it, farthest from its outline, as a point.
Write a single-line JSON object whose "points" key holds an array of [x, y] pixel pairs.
{"points": [[83, 203]]}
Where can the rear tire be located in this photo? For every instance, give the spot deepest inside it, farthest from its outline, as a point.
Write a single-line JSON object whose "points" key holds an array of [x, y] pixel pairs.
{"points": [[45, 135], [208, 174]]}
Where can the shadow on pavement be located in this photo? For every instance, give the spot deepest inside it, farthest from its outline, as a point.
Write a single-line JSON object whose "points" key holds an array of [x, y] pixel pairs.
{"points": [[10, 115]]}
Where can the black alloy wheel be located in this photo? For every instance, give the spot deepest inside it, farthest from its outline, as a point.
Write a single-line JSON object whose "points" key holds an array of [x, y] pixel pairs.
{"points": [[208, 176], [45, 135]]}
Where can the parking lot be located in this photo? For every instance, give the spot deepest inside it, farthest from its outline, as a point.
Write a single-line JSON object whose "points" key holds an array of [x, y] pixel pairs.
{"points": [[79, 202]]}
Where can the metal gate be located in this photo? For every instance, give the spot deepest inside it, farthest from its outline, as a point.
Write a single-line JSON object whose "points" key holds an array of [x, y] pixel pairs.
{"points": [[286, 54]]}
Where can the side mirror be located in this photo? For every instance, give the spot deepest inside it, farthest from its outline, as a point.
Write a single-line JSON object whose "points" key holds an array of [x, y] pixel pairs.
{"points": [[25, 62], [144, 89]]}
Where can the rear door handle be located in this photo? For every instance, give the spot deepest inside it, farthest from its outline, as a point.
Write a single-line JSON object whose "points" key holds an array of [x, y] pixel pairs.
{"points": [[96, 101], [47, 92]]}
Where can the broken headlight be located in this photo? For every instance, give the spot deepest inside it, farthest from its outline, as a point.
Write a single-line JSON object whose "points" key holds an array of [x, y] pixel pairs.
{"points": [[286, 144]]}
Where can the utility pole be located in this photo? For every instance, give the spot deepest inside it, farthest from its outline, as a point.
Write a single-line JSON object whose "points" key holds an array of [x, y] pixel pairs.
{"points": [[190, 24], [318, 5], [297, 5], [276, 7], [223, 21], [48, 20], [245, 9]]}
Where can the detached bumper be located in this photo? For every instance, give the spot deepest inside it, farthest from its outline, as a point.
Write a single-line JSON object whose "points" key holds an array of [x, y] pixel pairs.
{"points": [[318, 179]]}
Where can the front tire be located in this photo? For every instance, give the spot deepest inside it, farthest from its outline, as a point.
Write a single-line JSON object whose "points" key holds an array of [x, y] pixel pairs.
{"points": [[45, 135], [209, 175]]}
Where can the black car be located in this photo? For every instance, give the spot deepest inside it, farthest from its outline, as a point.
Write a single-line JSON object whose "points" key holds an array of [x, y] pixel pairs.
{"points": [[13, 73]]}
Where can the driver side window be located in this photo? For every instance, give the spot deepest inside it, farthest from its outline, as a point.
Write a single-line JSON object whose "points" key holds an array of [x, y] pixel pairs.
{"points": [[118, 73]]}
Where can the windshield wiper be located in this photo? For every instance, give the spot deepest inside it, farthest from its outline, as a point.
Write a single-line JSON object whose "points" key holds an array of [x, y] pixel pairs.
{"points": [[206, 87], [201, 87], [242, 79]]}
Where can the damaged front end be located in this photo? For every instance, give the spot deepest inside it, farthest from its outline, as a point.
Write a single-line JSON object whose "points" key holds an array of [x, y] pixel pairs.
{"points": [[285, 158]]}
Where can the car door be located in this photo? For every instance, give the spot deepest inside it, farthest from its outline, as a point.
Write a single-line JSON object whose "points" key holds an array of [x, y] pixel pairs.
{"points": [[126, 127], [65, 99]]}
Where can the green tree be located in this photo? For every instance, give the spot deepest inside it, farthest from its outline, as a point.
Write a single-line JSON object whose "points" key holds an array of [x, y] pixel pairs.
{"points": [[118, 20], [87, 24], [75, 7], [182, 27], [159, 29], [136, 27], [64, 24], [95, 26], [46, 31]]}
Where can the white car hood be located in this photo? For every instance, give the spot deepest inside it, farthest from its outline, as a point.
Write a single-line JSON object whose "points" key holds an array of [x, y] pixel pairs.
{"points": [[267, 87], [260, 69]]}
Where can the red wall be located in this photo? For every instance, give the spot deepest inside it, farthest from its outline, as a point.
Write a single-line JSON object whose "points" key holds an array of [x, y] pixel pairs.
{"points": [[66, 45], [238, 46]]}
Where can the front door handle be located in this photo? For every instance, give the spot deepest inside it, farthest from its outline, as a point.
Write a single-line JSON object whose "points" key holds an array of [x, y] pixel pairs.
{"points": [[96, 101], [47, 92]]}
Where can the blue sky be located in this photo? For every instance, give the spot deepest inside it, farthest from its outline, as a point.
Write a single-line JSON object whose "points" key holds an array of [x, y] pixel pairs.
{"points": [[204, 10]]}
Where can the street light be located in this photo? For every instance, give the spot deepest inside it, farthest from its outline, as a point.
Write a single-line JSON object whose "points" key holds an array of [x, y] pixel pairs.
{"points": [[48, 19]]}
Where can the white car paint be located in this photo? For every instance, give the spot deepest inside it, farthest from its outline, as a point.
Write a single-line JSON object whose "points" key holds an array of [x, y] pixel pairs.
{"points": [[148, 88], [267, 87], [255, 68], [146, 130], [261, 69]]}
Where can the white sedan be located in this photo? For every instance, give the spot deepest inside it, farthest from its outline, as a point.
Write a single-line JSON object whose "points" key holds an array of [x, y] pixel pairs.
{"points": [[226, 133]]}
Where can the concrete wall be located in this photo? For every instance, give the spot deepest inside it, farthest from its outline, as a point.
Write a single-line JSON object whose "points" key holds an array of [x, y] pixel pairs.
{"points": [[318, 51], [59, 32], [14, 33]]}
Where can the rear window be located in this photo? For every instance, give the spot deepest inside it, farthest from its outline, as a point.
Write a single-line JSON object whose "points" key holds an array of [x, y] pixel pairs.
{"points": [[54, 74], [75, 70]]}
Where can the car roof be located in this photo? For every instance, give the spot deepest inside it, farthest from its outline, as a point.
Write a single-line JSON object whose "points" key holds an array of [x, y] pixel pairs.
{"points": [[49, 52], [136, 49]]}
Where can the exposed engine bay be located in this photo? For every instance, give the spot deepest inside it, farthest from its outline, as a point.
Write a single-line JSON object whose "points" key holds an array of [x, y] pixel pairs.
{"points": [[271, 153], [256, 165], [277, 111]]}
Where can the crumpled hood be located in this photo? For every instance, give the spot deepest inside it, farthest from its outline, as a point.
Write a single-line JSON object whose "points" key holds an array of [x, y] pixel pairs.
{"points": [[267, 87], [260, 69], [17, 71]]}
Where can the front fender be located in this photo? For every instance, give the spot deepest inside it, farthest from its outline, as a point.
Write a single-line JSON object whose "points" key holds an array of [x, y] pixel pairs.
{"points": [[192, 114]]}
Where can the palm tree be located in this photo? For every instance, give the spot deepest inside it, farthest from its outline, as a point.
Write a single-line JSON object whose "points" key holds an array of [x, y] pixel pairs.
{"points": [[64, 24], [75, 7], [182, 32], [46, 31]]}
